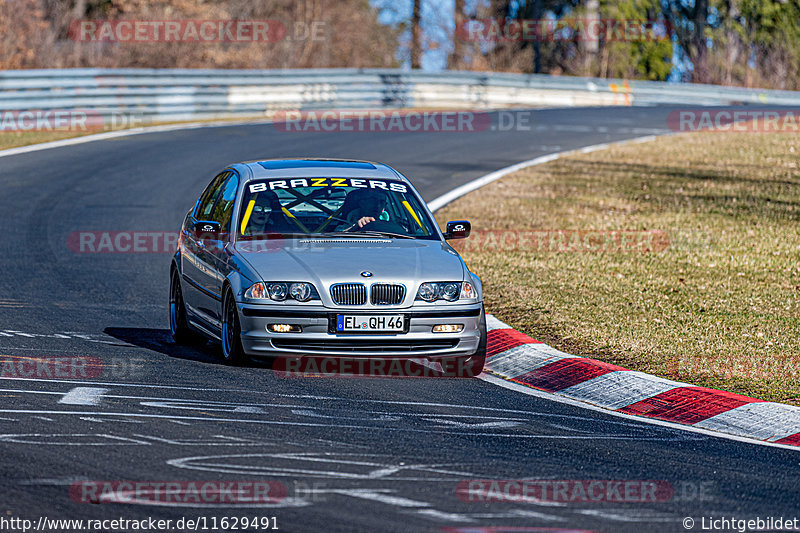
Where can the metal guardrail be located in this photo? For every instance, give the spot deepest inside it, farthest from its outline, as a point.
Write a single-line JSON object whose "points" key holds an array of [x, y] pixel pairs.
{"points": [[179, 94]]}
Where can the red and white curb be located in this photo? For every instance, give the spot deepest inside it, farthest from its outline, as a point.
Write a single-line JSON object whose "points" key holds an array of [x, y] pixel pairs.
{"points": [[520, 359]]}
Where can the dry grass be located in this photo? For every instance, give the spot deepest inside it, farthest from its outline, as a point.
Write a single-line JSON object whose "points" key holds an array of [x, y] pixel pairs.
{"points": [[12, 139], [719, 307], [15, 138]]}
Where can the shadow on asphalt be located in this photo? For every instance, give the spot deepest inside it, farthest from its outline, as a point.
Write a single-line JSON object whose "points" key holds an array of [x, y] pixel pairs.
{"points": [[160, 340]]}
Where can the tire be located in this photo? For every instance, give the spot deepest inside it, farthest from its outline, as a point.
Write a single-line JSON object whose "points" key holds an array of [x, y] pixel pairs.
{"points": [[232, 351], [178, 325], [472, 365]]}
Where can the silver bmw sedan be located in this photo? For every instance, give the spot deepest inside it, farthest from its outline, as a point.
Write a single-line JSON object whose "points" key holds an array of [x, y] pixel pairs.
{"points": [[318, 257]]}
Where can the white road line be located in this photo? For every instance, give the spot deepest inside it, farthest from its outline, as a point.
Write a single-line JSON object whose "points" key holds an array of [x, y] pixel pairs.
{"points": [[126, 133], [203, 405], [475, 425], [174, 418], [444, 517], [378, 495], [298, 396], [83, 396], [54, 481], [458, 192]]}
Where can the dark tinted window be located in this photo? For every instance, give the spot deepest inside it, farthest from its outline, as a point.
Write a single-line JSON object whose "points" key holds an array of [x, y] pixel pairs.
{"points": [[223, 208], [209, 197]]}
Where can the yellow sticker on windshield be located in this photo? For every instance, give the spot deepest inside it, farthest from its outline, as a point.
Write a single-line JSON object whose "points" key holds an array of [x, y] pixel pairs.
{"points": [[413, 214], [247, 214]]}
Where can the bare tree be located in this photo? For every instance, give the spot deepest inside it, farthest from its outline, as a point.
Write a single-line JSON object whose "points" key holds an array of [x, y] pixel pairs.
{"points": [[416, 34], [459, 18]]}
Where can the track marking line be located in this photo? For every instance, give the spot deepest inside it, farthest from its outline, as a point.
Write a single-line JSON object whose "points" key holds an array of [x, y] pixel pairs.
{"points": [[129, 133], [183, 419], [443, 516], [378, 495], [458, 192], [83, 396]]}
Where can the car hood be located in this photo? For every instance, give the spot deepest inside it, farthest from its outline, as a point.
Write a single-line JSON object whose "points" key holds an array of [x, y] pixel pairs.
{"points": [[326, 261]]}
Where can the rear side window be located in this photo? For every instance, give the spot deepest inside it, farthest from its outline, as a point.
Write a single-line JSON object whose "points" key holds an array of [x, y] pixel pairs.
{"points": [[210, 197], [223, 207]]}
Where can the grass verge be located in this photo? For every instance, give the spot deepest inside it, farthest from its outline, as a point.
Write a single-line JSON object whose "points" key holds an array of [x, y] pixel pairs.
{"points": [[719, 306], [16, 138]]}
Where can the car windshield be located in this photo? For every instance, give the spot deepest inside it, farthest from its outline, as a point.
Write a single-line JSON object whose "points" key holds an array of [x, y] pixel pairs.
{"points": [[334, 207]]}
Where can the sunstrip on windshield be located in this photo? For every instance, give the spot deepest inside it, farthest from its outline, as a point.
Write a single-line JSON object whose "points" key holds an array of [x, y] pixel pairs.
{"points": [[361, 183]]}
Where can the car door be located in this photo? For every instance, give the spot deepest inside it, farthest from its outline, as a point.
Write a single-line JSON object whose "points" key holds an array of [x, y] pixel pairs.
{"points": [[216, 254], [200, 294]]}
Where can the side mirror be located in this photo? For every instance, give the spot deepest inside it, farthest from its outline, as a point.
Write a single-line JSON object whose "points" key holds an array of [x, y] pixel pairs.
{"points": [[207, 230], [458, 229]]}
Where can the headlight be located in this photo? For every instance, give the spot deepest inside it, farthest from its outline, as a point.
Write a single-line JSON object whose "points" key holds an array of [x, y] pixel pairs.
{"points": [[300, 291], [445, 290], [449, 291], [427, 292], [280, 291], [277, 291]]}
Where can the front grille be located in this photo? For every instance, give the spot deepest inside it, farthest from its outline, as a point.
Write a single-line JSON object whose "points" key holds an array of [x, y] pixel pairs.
{"points": [[386, 294], [349, 294], [365, 347]]}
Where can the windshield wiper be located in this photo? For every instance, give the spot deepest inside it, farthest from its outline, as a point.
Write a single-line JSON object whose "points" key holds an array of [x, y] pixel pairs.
{"points": [[368, 232], [271, 236]]}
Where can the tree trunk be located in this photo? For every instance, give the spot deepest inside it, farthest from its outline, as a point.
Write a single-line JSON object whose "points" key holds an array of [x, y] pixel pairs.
{"points": [[536, 14], [592, 43], [700, 59], [416, 35], [457, 56]]}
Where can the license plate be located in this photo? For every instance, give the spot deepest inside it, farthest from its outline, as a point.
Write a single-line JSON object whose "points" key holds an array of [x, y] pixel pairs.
{"points": [[370, 323]]}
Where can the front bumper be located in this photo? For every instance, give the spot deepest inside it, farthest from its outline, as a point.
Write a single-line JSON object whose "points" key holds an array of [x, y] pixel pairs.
{"points": [[318, 338]]}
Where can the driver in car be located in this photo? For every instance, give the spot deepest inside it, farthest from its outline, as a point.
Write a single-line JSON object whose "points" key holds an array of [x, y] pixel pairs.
{"points": [[267, 216], [365, 206]]}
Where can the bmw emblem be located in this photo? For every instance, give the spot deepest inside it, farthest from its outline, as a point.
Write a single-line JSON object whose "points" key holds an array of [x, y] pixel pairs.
{"points": [[367, 274]]}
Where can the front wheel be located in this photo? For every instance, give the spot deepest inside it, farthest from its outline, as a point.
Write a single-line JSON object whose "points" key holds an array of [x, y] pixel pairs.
{"points": [[178, 325], [232, 351]]}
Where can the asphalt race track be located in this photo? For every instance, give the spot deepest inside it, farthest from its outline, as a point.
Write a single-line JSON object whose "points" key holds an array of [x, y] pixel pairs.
{"points": [[366, 454]]}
